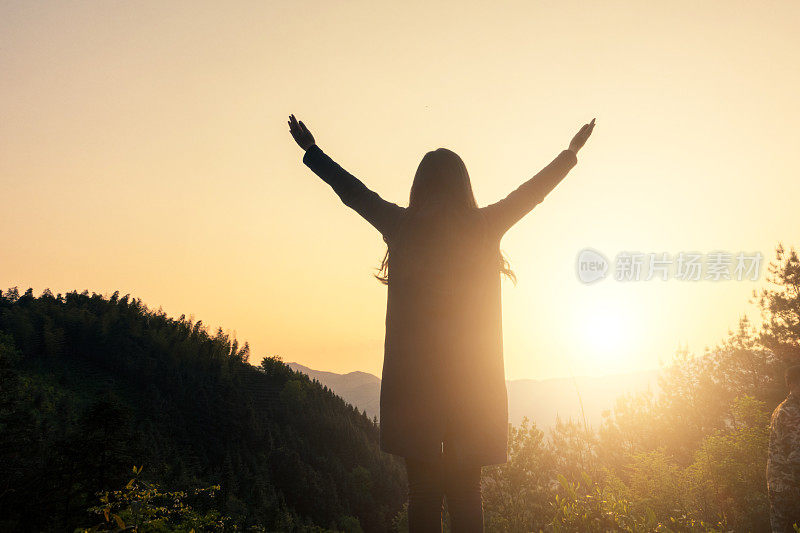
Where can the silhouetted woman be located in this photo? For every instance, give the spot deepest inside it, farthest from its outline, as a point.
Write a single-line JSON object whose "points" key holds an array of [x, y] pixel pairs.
{"points": [[443, 391]]}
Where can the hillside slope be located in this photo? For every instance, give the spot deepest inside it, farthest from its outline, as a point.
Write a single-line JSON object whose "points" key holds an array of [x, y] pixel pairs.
{"points": [[90, 386]]}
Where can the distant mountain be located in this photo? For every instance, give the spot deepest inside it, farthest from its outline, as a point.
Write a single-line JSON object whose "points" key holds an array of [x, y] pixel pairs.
{"points": [[360, 389], [541, 400]]}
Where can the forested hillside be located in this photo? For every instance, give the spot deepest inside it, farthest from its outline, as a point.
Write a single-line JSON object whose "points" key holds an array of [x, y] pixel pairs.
{"points": [[93, 385], [692, 459]]}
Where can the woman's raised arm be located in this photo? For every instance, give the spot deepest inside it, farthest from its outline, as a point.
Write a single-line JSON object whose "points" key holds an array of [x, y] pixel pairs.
{"points": [[383, 215], [508, 211]]}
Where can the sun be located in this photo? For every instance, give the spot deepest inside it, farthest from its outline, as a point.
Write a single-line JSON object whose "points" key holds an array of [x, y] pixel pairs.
{"points": [[606, 332]]}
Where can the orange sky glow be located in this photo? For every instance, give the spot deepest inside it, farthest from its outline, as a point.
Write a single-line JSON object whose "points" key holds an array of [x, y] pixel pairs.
{"points": [[144, 148]]}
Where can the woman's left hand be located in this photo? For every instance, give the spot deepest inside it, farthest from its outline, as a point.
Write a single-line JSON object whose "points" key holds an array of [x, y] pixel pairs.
{"points": [[301, 135]]}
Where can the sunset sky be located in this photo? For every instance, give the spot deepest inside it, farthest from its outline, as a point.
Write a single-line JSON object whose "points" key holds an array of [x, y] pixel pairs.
{"points": [[144, 148]]}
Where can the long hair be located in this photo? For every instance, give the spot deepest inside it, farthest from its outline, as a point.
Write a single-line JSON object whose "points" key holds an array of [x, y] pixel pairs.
{"points": [[442, 176]]}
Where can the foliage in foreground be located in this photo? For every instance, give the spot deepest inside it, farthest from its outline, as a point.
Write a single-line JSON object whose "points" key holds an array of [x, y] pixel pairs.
{"points": [[144, 507]]}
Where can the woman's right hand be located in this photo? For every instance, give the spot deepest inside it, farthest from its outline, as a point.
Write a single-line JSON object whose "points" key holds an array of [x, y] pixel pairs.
{"points": [[581, 137], [301, 135]]}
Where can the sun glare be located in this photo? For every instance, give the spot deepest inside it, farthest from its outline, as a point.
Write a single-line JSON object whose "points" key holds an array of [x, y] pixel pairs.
{"points": [[605, 330], [604, 333]]}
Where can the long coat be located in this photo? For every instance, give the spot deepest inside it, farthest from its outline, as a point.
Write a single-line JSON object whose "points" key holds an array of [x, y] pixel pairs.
{"points": [[443, 379]]}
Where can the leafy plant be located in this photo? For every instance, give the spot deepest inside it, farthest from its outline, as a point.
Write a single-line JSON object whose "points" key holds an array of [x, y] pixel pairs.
{"points": [[144, 507]]}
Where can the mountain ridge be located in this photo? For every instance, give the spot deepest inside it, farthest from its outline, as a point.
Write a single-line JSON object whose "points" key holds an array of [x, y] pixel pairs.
{"points": [[540, 400]]}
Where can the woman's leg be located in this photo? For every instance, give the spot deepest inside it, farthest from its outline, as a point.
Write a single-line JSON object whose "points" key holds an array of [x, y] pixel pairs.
{"points": [[425, 494], [462, 487]]}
